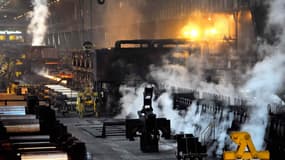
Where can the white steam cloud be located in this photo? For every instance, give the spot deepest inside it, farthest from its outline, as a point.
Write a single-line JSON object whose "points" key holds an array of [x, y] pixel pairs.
{"points": [[194, 121], [38, 25], [132, 101], [267, 77], [180, 77]]}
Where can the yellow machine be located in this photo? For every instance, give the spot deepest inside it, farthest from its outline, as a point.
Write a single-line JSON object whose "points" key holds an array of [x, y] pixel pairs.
{"points": [[12, 88], [86, 102], [243, 140], [16, 88]]}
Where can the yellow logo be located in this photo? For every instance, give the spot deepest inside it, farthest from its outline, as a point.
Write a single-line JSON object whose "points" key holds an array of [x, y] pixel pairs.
{"points": [[246, 149]]}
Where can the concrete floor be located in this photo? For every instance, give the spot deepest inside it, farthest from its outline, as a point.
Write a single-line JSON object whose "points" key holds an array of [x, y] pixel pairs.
{"points": [[113, 147]]}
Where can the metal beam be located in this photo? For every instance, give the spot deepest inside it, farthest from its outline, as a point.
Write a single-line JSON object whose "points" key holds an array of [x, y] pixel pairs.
{"points": [[12, 10], [14, 25]]}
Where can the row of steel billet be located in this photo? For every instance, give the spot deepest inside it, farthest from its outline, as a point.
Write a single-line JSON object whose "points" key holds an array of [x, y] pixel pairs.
{"points": [[60, 97], [39, 136]]}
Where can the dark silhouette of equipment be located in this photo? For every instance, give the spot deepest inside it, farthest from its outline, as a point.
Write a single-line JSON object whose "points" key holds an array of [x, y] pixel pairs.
{"points": [[32, 132], [188, 147], [148, 125], [275, 136], [101, 1], [181, 101]]}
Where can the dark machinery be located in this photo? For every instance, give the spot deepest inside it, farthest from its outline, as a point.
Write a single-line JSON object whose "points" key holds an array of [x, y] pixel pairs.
{"points": [[126, 63], [275, 136], [188, 147], [148, 125], [183, 100], [101, 1], [27, 136]]}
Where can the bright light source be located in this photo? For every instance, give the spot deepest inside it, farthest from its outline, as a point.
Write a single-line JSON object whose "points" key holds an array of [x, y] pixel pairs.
{"points": [[194, 33], [202, 27], [191, 32], [213, 31]]}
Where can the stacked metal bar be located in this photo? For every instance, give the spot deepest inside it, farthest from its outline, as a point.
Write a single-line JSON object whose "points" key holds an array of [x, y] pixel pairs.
{"points": [[60, 97], [36, 137]]}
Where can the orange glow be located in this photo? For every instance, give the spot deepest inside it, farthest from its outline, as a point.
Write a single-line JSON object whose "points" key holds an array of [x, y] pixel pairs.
{"points": [[209, 27], [66, 75], [51, 63], [192, 32], [184, 55], [46, 75], [52, 77], [248, 15]]}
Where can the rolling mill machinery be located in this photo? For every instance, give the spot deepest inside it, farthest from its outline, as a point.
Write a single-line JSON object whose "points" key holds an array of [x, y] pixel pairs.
{"points": [[150, 128], [189, 147], [29, 130], [275, 134], [221, 109], [147, 126], [107, 69], [60, 97]]}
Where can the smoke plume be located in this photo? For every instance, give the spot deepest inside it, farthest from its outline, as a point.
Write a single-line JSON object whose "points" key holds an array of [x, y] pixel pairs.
{"points": [[131, 102], [267, 76], [38, 27], [174, 77], [264, 81]]}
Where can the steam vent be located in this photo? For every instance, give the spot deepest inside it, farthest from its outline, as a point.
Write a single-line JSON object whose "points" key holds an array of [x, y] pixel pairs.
{"points": [[142, 79]]}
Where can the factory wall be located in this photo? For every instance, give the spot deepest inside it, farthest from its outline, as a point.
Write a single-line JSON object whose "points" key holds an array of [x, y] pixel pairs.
{"points": [[72, 22]]}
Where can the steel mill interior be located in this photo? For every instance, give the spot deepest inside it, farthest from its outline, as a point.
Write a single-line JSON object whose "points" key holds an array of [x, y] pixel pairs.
{"points": [[142, 79]]}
